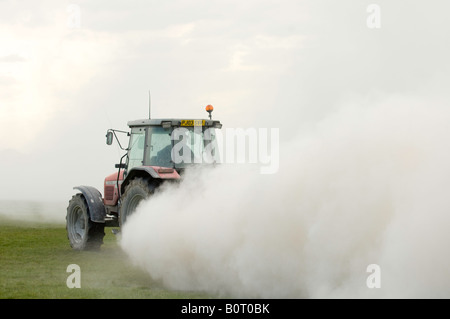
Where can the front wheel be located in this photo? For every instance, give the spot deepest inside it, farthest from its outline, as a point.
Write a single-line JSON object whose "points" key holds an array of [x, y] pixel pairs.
{"points": [[138, 190], [82, 232]]}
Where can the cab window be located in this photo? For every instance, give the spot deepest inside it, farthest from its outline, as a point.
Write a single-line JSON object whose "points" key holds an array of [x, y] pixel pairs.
{"points": [[160, 147], [136, 148]]}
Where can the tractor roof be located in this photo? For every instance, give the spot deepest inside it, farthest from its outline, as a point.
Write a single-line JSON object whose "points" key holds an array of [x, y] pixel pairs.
{"points": [[174, 122]]}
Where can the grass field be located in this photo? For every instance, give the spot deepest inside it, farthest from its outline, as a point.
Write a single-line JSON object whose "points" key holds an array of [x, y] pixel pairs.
{"points": [[34, 259]]}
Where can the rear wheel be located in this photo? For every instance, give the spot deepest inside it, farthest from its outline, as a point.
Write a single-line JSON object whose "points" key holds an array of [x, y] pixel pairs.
{"points": [[82, 232], [138, 190]]}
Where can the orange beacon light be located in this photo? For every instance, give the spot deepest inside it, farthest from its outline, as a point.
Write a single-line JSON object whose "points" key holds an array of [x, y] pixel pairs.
{"points": [[209, 108]]}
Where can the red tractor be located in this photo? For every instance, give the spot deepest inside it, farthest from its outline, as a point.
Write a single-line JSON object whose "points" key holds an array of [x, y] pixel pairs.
{"points": [[159, 151]]}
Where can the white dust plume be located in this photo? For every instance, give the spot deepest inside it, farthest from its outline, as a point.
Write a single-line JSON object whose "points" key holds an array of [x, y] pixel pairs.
{"points": [[368, 185]]}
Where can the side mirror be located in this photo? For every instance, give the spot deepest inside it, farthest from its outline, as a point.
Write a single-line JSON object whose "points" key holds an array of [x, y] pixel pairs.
{"points": [[109, 137]]}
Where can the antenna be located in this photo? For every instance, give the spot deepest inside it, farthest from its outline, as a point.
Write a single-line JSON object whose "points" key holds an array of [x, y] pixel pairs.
{"points": [[149, 105]]}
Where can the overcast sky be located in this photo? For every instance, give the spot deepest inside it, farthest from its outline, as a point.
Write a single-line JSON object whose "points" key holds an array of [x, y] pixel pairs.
{"points": [[71, 70]]}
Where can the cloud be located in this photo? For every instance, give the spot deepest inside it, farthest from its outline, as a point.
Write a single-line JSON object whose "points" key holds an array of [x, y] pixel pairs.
{"points": [[260, 64], [11, 58], [55, 63]]}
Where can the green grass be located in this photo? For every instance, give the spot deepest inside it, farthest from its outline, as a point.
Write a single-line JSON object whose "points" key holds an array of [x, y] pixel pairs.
{"points": [[34, 260]]}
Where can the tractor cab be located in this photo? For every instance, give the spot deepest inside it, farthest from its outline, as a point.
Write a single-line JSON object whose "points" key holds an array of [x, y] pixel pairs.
{"points": [[171, 143], [158, 150]]}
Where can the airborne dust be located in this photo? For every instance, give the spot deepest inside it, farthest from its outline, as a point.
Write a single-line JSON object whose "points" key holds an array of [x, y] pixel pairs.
{"points": [[364, 186]]}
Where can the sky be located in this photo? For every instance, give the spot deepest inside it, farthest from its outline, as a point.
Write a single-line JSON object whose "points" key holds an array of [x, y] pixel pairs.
{"points": [[71, 70]]}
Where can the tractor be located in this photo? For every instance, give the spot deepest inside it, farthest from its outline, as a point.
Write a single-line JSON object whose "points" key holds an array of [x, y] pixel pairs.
{"points": [[159, 151]]}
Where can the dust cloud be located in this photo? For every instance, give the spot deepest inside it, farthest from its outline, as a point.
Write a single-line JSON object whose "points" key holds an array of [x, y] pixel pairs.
{"points": [[34, 211], [366, 185]]}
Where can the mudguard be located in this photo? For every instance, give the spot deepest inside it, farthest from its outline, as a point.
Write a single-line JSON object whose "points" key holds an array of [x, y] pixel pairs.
{"points": [[150, 171], [94, 200]]}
